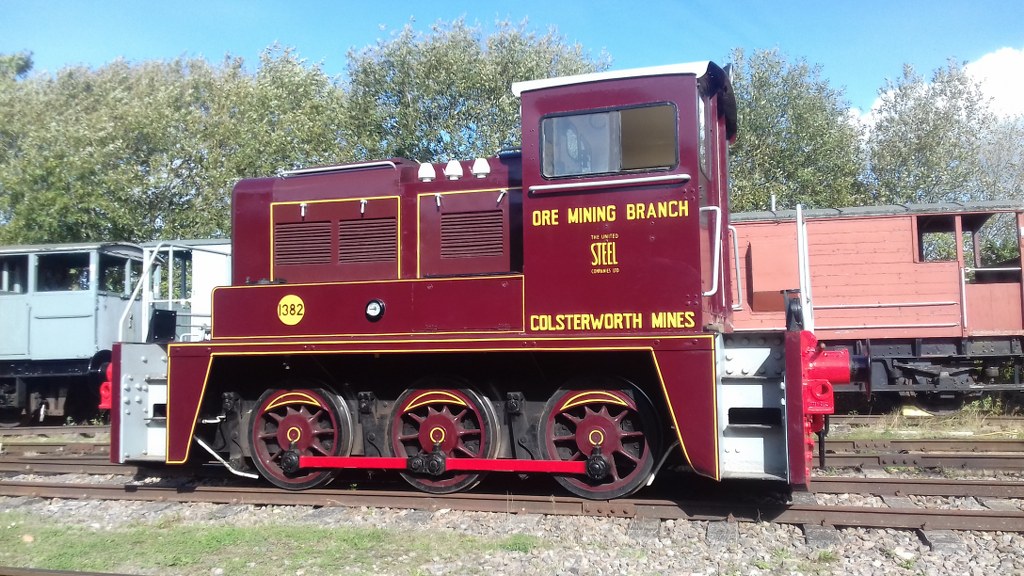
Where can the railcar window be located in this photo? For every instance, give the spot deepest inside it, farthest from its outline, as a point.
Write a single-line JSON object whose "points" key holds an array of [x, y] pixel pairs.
{"points": [[117, 274], [611, 141], [936, 239], [62, 272], [13, 274]]}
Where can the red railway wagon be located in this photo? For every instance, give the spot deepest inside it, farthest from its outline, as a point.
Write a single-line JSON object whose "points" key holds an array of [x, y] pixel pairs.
{"points": [[914, 286], [563, 309]]}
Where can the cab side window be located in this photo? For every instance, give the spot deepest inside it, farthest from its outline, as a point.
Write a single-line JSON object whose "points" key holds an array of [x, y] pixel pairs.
{"points": [[611, 141]]}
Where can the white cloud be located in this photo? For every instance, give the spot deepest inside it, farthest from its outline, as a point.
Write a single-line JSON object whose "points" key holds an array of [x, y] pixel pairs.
{"points": [[1000, 76]]}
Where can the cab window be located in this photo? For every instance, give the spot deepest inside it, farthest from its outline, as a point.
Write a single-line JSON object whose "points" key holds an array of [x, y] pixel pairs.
{"points": [[62, 272], [610, 141]]}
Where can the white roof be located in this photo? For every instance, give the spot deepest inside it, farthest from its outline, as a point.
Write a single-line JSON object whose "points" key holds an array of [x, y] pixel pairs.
{"points": [[692, 68]]}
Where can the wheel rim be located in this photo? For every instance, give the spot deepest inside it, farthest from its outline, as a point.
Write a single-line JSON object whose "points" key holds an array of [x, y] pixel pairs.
{"points": [[623, 424], [309, 419], [459, 420]]}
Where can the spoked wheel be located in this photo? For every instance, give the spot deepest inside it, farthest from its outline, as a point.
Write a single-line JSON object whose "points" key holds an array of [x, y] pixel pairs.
{"points": [[619, 419], [312, 420], [459, 420]]}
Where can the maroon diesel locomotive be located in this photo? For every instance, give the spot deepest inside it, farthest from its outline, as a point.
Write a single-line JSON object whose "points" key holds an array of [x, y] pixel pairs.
{"points": [[564, 309]]}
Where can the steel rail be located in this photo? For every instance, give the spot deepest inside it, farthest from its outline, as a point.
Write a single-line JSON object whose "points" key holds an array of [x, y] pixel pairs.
{"points": [[66, 465], [76, 430], [872, 419], [972, 445], [917, 487], [797, 513], [74, 447]]}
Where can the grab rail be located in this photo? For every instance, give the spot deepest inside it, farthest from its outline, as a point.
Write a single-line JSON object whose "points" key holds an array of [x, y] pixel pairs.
{"points": [[717, 250]]}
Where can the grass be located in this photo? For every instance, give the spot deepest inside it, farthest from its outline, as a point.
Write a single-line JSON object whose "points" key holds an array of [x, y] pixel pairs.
{"points": [[174, 547], [973, 421]]}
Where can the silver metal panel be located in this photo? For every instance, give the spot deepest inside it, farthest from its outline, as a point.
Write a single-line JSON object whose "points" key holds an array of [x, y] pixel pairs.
{"points": [[143, 405], [108, 311], [63, 325], [751, 379]]}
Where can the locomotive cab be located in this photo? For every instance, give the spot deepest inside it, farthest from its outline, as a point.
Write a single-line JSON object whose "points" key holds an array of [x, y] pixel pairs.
{"points": [[625, 193]]}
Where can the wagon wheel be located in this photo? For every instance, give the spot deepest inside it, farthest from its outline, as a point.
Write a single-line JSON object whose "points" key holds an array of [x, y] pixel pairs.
{"points": [[12, 417], [460, 420], [312, 419], [619, 418]]}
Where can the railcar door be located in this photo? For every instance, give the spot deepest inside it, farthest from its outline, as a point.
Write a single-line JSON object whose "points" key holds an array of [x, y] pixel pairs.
{"points": [[14, 306], [990, 273]]}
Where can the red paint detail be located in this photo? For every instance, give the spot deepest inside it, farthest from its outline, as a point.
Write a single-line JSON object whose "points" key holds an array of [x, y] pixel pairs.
{"points": [[469, 305], [105, 387], [451, 464], [811, 372], [115, 400], [690, 388]]}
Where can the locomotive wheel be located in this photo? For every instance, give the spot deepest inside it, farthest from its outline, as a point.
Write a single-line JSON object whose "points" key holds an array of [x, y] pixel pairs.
{"points": [[460, 420], [312, 419], [619, 418]]}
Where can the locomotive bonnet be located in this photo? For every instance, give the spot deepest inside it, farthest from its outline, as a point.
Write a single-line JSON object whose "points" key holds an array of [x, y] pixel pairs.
{"points": [[561, 309]]}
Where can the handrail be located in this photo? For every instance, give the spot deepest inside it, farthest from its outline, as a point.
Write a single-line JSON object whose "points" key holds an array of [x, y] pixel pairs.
{"points": [[736, 264], [963, 286], [804, 269], [135, 292], [339, 168], [718, 248], [622, 182]]}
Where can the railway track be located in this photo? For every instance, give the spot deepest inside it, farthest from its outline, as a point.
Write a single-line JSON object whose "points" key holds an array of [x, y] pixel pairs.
{"points": [[77, 457], [861, 420], [960, 454], [1006, 518], [998, 514]]}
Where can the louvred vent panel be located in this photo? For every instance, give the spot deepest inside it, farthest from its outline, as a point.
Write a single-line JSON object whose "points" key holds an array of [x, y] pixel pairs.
{"points": [[368, 240], [302, 243], [472, 234]]}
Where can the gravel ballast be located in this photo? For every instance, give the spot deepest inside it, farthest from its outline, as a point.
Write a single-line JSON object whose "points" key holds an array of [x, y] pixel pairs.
{"points": [[562, 545]]}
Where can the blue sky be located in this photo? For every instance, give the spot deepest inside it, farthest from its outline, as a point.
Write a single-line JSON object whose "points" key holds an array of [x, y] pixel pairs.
{"points": [[858, 44]]}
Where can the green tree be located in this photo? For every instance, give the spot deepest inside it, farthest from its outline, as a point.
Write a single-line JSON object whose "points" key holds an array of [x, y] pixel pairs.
{"points": [[446, 94], [15, 66], [151, 150], [796, 140], [927, 138]]}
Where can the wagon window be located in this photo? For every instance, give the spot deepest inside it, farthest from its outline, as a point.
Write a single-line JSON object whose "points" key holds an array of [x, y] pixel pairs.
{"points": [[13, 274], [118, 274], [62, 272], [936, 239], [611, 141]]}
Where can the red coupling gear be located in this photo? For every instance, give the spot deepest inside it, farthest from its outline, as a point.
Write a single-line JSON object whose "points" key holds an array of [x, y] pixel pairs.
{"points": [[106, 388], [820, 369]]}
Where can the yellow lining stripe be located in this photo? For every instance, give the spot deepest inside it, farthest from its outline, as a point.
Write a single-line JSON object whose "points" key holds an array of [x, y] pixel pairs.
{"points": [[419, 215], [591, 396], [431, 397], [369, 282], [209, 367], [398, 204], [293, 398]]}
